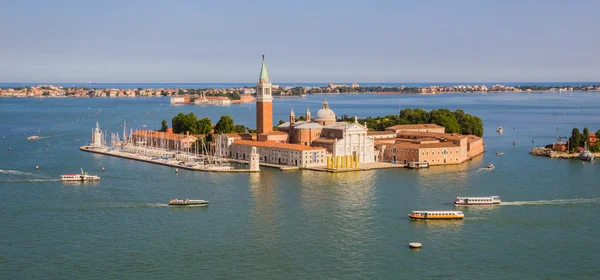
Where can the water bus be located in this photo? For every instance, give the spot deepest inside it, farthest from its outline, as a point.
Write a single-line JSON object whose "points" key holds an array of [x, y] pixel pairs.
{"points": [[476, 201], [188, 202], [436, 215], [83, 177], [34, 137]]}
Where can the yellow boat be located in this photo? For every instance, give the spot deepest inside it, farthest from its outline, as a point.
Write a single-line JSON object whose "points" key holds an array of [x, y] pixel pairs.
{"points": [[436, 215]]}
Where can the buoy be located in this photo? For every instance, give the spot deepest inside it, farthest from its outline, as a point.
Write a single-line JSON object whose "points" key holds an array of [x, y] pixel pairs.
{"points": [[415, 245], [38, 131], [176, 170], [9, 148], [513, 143], [37, 167], [3, 137], [103, 169], [75, 139], [47, 144], [53, 128]]}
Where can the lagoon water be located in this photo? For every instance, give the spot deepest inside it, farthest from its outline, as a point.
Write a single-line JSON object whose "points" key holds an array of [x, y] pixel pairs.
{"points": [[297, 225]]}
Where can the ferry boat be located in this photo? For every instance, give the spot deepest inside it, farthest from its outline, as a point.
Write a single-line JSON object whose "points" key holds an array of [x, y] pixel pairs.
{"points": [[34, 137], [83, 177], [475, 201], [436, 215], [188, 202]]}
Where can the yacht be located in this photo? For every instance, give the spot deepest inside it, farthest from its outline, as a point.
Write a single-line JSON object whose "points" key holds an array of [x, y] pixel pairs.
{"points": [[436, 215], [475, 201], [188, 202], [83, 177], [34, 137], [586, 154]]}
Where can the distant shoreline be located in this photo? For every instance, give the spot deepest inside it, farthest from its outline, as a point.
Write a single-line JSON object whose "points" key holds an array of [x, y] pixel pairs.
{"points": [[345, 93]]}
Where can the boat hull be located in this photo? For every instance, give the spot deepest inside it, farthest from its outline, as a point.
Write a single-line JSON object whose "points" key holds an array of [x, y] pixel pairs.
{"points": [[188, 204], [476, 204], [435, 218]]}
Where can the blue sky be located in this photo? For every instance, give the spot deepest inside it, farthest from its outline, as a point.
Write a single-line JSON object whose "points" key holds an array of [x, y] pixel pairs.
{"points": [[303, 41]]}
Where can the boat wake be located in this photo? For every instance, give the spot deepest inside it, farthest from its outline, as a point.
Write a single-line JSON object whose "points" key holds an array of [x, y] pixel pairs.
{"points": [[135, 205], [16, 172], [30, 180], [552, 202]]}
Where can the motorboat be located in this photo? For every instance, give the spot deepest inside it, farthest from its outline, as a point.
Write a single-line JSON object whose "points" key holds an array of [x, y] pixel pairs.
{"points": [[83, 177], [188, 202], [499, 153], [490, 166], [499, 130], [477, 201], [34, 137], [436, 215]]}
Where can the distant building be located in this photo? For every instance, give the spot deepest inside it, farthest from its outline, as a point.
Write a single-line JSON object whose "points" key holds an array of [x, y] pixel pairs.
{"points": [[167, 140], [417, 128]]}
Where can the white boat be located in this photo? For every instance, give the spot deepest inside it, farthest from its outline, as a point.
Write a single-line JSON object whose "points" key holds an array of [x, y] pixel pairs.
{"points": [[499, 130], [188, 202], [83, 177], [586, 154], [34, 137], [477, 201], [490, 166], [436, 215]]}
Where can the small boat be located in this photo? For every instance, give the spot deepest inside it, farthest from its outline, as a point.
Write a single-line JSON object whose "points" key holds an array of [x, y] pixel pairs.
{"points": [[34, 137], [415, 245], [83, 177], [490, 166], [499, 153], [586, 155], [436, 215], [499, 130], [477, 201], [188, 202]]}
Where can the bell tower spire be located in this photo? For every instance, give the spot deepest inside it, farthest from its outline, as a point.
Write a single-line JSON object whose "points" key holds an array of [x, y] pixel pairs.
{"points": [[264, 101]]}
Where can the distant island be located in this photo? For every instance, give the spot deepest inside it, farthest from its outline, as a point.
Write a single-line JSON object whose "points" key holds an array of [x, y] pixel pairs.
{"points": [[243, 93]]}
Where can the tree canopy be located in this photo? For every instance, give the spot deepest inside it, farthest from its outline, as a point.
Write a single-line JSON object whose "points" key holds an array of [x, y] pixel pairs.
{"points": [[189, 122], [164, 126], [225, 125], [454, 122]]}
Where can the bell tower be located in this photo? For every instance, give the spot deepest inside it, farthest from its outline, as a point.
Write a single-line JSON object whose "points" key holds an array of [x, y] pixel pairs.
{"points": [[264, 101]]}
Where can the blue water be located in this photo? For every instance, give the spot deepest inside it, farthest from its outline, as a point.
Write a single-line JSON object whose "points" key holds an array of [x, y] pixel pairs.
{"points": [[238, 85], [296, 225]]}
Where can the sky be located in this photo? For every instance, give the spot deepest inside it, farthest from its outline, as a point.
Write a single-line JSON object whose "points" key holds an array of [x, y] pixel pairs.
{"points": [[303, 41]]}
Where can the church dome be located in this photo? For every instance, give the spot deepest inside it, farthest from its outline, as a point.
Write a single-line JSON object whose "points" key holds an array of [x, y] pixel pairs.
{"points": [[325, 113]]}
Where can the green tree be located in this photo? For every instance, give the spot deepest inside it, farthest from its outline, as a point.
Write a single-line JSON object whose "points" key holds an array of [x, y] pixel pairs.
{"points": [[225, 125], [203, 126], [575, 140], [240, 128], [586, 136], [188, 123], [164, 126], [282, 122], [446, 119]]}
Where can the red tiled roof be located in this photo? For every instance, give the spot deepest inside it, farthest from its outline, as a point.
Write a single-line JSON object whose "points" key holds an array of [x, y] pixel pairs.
{"points": [[275, 144], [415, 126]]}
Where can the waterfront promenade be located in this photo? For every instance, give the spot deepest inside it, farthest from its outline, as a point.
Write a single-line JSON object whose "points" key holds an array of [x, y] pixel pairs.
{"points": [[171, 163]]}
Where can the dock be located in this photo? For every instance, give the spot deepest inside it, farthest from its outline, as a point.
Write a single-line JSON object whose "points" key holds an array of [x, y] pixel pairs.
{"points": [[115, 153]]}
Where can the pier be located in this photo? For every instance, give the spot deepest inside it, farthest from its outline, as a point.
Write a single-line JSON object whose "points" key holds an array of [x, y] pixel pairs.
{"points": [[171, 163]]}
